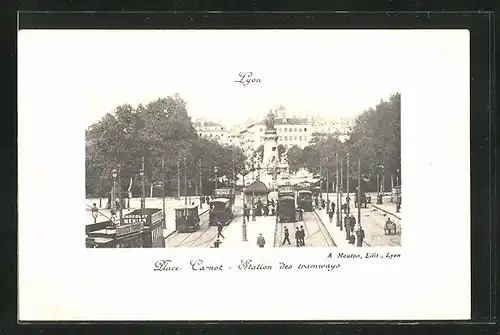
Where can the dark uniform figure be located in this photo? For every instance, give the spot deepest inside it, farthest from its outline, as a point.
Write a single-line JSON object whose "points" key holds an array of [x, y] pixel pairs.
{"points": [[330, 214], [302, 236], [287, 238], [352, 222], [333, 207], [360, 237], [246, 212], [217, 243], [219, 230], [347, 227], [297, 237]]}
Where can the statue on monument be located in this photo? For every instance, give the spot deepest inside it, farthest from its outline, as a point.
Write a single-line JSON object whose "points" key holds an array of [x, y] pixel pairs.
{"points": [[270, 120]]}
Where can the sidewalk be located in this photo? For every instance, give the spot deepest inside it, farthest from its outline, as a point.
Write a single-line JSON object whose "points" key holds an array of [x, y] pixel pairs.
{"points": [[234, 232]]}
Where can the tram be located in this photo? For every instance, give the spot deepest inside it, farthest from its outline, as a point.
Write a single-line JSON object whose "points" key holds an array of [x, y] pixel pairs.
{"points": [[187, 219], [221, 210], [304, 200], [286, 210], [316, 191]]}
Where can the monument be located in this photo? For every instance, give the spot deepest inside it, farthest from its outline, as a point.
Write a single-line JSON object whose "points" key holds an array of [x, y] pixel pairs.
{"points": [[271, 157], [272, 164]]}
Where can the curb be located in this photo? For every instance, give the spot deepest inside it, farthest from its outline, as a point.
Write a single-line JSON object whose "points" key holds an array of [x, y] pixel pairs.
{"points": [[387, 212]]}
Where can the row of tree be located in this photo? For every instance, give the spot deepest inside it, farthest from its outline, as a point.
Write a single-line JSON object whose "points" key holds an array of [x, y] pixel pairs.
{"points": [[375, 139], [161, 128]]}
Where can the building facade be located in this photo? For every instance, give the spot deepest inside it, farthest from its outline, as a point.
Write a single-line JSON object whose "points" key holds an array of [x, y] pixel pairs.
{"points": [[290, 132], [212, 130]]}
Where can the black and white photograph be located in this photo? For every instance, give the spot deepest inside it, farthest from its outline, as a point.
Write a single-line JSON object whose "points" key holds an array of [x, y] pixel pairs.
{"points": [[157, 167], [250, 162]]}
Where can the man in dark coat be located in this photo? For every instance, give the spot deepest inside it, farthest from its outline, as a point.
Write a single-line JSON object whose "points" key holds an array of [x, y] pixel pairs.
{"points": [[347, 227], [217, 243], [297, 237], [246, 212], [352, 222], [330, 214], [333, 207], [360, 234], [302, 236], [287, 238]]}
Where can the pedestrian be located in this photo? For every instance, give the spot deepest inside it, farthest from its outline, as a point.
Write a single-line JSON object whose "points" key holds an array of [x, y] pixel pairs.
{"points": [[287, 239], [297, 237], [301, 213], [219, 230], [333, 207], [330, 214], [113, 216], [302, 236], [360, 236], [322, 203], [353, 222], [192, 204], [347, 227], [266, 210], [261, 241], [352, 238], [207, 199], [217, 243]]}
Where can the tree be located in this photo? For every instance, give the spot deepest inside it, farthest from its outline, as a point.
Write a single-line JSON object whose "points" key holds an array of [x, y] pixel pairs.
{"points": [[376, 138], [295, 158]]}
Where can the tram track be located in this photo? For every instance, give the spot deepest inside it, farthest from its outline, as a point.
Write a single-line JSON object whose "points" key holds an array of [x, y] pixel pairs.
{"points": [[322, 230]]}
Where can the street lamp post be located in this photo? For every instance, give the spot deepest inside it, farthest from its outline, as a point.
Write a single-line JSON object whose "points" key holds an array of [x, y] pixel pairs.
{"points": [[339, 223], [201, 189], [163, 190], [359, 191], [244, 225], [143, 196], [119, 206], [253, 195], [347, 186], [185, 181], [95, 212], [215, 170], [327, 186]]}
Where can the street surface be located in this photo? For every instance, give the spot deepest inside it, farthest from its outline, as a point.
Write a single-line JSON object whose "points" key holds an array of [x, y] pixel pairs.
{"points": [[316, 234], [202, 238]]}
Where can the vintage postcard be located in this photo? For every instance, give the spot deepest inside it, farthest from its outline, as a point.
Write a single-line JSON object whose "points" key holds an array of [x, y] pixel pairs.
{"points": [[257, 175]]}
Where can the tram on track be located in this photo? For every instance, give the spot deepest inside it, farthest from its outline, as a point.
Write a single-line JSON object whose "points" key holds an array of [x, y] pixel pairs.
{"points": [[221, 210], [187, 219], [287, 209], [304, 200]]}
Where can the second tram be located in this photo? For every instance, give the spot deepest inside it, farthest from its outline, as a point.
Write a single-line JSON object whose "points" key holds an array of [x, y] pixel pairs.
{"points": [[286, 210], [221, 210], [304, 200]]}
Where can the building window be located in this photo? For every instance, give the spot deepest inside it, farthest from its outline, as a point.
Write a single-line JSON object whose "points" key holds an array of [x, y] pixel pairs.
{"points": [[281, 137], [285, 129], [300, 138], [295, 129], [305, 129], [290, 129], [295, 138], [300, 129], [261, 129], [286, 138]]}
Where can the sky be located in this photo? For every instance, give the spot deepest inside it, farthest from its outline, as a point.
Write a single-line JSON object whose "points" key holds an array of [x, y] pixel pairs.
{"points": [[333, 73]]}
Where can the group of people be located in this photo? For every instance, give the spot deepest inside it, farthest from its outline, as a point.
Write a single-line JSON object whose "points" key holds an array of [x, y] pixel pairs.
{"points": [[354, 233], [300, 235], [260, 208]]}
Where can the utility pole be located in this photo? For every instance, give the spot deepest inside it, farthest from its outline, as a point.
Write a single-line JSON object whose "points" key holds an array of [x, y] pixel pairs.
{"points": [[359, 192], [178, 180], [120, 194], [163, 190], [201, 187], [327, 189], [348, 197], [143, 200], [185, 181], [339, 223], [320, 179], [244, 225], [341, 186]]}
